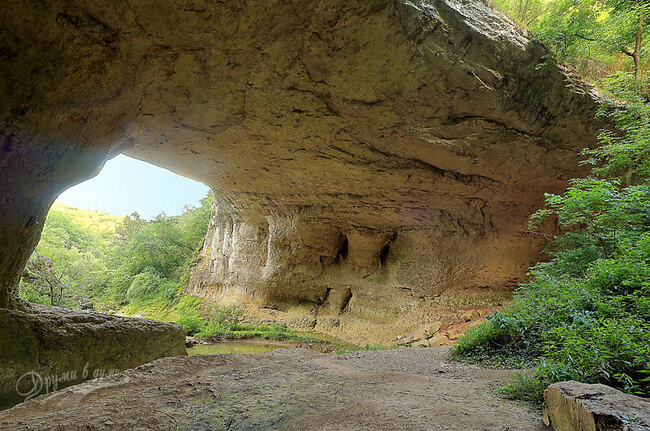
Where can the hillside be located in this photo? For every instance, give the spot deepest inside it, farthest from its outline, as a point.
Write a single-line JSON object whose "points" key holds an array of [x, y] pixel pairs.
{"points": [[88, 257]]}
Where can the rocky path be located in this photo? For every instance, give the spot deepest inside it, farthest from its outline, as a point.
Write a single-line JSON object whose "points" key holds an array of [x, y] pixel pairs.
{"points": [[287, 389]]}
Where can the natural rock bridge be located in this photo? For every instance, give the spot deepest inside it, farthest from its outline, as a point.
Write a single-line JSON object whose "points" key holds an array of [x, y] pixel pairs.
{"points": [[370, 155]]}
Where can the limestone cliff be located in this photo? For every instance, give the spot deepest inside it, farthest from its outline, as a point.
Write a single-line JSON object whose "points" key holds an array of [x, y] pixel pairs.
{"points": [[365, 153]]}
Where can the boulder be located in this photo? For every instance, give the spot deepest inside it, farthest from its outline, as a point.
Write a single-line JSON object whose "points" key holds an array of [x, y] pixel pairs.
{"points": [[422, 333], [469, 315], [575, 406], [44, 348], [305, 322], [427, 331], [438, 340]]}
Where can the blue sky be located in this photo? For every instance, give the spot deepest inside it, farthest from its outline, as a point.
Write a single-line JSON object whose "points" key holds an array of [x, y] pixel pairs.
{"points": [[126, 185]]}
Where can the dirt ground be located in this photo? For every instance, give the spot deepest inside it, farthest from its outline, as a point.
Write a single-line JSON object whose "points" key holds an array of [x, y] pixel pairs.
{"points": [[286, 389]]}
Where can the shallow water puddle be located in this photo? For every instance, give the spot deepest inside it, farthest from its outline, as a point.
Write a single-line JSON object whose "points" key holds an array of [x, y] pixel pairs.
{"points": [[245, 347]]}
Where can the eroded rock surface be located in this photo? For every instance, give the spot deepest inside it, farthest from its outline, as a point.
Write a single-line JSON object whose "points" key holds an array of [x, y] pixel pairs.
{"points": [[575, 406], [367, 155], [44, 348]]}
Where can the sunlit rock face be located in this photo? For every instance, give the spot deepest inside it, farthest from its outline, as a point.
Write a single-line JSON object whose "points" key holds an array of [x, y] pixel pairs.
{"points": [[365, 154]]}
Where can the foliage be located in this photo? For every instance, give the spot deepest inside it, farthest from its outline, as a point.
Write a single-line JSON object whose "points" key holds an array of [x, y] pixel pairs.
{"points": [[523, 12], [109, 259], [217, 322], [78, 243], [626, 153], [596, 37], [229, 316], [585, 315], [526, 386], [191, 324]]}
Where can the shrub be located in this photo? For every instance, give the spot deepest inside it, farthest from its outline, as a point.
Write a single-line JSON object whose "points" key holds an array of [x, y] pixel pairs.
{"points": [[525, 385], [227, 316], [191, 324], [213, 329], [585, 315], [168, 290], [144, 285]]}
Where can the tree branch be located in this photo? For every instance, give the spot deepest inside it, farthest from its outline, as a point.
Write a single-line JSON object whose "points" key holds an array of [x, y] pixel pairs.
{"points": [[627, 52], [593, 39]]}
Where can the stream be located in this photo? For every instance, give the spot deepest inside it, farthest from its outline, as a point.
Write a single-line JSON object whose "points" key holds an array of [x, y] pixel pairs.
{"points": [[245, 347]]}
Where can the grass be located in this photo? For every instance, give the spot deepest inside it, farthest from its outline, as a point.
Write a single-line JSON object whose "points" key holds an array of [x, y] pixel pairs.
{"points": [[524, 385], [355, 348], [217, 330], [203, 319], [160, 309]]}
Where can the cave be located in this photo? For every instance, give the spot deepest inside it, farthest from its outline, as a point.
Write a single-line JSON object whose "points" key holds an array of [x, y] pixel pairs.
{"points": [[422, 132]]}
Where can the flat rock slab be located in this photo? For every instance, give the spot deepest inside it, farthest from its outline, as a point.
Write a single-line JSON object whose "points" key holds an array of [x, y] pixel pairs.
{"points": [[288, 389], [575, 406], [45, 348]]}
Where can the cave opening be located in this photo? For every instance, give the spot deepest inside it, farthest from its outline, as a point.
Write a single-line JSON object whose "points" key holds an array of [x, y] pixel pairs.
{"points": [[345, 300], [383, 254], [385, 250], [324, 127], [343, 249], [125, 236]]}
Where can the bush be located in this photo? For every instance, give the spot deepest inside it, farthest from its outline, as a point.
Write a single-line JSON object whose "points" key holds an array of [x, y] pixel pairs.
{"points": [[213, 329], [169, 290], [191, 324], [227, 316], [144, 285], [585, 315], [525, 386], [591, 328]]}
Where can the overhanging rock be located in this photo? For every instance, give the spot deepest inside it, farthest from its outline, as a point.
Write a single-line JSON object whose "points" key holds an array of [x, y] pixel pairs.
{"points": [[372, 154]]}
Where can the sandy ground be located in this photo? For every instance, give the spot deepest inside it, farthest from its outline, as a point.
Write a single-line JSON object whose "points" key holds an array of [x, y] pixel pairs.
{"points": [[383, 329], [287, 389]]}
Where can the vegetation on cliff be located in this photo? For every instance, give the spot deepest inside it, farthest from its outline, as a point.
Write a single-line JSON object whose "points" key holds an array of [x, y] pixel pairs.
{"points": [[596, 37], [585, 314]]}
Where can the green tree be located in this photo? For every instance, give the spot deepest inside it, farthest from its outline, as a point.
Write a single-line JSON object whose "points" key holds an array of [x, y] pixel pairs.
{"points": [[589, 34], [523, 12], [76, 249], [94, 255], [162, 249]]}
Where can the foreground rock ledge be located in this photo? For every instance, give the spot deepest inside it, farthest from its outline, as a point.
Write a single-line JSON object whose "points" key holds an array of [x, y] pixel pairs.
{"points": [[575, 406], [42, 342]]}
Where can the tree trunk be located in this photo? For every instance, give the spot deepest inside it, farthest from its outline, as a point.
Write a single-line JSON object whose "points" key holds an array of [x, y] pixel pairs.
{"points": [[51, 292], [636, 55]]}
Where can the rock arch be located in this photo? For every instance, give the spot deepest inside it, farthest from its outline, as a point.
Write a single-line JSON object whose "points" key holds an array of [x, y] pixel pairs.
{"points": [[365, 154], [431, 127], [436, 119]]}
